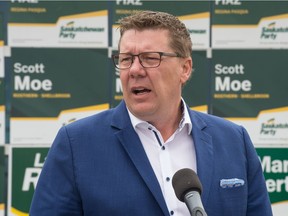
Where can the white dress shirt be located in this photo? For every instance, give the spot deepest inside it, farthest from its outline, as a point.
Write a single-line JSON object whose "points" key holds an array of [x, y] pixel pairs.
{"points": [[168, 157]]}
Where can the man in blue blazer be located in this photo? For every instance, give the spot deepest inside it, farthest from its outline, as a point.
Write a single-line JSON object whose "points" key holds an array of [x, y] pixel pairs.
{"points": [[121, 161]]}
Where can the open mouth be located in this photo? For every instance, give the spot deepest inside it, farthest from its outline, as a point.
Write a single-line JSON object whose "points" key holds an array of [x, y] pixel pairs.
{"points": [[140, 91]]}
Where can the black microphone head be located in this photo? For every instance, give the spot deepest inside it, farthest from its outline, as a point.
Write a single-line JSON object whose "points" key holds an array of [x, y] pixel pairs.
{"points": [[185, 180]]}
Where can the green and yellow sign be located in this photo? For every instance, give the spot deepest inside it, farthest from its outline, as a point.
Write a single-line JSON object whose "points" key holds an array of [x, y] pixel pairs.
{"points": [[275, 167], [25, 166], [52, 87], [194, 14], [58, 24], [250, 90], [249, 24]]}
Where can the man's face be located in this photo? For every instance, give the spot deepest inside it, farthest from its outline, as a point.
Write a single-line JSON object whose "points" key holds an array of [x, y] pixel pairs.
{"points": [[152, 93]]}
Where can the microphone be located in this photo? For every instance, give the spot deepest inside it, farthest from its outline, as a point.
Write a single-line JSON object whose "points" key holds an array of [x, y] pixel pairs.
{"points": [[188, 189]]}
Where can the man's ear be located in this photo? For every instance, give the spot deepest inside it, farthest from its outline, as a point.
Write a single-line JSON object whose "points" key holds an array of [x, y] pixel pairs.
{"points": [[186, 69]]}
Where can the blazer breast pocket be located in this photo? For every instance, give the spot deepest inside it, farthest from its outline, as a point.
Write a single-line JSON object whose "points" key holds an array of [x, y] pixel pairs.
{"points": [[233, 195]]}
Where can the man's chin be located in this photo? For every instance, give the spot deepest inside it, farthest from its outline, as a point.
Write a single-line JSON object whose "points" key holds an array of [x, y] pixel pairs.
{"points": [[141, 110]]}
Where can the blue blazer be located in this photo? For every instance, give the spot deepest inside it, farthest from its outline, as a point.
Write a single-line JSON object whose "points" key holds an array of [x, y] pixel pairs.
{"points": [[98, 167]]}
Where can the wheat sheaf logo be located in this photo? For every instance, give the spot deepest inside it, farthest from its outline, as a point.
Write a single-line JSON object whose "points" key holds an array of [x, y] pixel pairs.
{"points": [[270, 127], [271, 31]]}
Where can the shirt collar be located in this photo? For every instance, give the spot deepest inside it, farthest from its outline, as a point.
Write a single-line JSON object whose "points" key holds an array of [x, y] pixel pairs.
{"points": [[136, 122], [185, 118]]}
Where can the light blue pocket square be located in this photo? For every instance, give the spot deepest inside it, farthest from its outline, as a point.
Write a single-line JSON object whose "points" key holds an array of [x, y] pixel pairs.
{"points": [[231, 183]]}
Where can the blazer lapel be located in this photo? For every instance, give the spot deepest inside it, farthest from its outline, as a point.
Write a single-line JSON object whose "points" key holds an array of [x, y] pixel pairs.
{"points": [[133, 146], [204, 154]]}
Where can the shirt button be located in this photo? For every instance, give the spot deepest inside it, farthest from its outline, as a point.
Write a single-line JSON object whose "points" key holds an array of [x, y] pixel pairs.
{"points": [[163, 147], [171, 212], [167, 179]]}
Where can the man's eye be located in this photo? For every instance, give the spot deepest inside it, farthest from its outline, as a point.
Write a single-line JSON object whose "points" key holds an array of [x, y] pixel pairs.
{"points": [[127, 59], [151, 58]]}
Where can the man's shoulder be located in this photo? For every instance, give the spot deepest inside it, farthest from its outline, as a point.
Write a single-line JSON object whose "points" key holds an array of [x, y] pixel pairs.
{"points": [[211, 120], [99, 118]]}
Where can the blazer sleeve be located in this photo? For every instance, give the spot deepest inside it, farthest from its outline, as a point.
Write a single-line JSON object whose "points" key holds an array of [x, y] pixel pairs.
{"points": [[56, 192], [258, 203]]}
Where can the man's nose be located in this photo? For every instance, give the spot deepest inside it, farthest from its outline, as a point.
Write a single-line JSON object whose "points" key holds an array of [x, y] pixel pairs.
{"points": [[136, 68]]}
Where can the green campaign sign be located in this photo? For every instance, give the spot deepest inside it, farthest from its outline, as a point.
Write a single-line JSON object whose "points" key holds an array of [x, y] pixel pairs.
{"points": [[194, 14], [275, 167], [50, 80], [245, 82], [52, 87], [25, 166], [58, 24], [249, 24], [251, 91]]}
